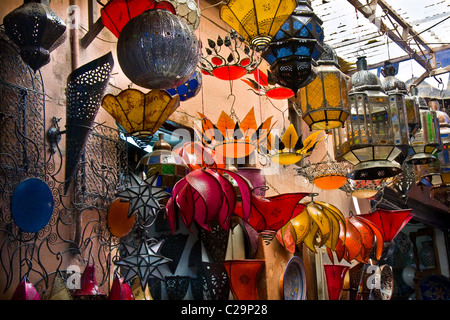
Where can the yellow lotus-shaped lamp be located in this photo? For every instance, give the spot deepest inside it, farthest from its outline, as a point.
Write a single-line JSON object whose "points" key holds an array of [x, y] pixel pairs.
{"points": [[231, 139], [140, 114], [290, 149]]}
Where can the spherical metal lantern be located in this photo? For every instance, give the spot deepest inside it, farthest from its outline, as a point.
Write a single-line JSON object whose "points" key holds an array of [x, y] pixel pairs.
{"points": [[374, 134], [35, 29], [157, 50]]}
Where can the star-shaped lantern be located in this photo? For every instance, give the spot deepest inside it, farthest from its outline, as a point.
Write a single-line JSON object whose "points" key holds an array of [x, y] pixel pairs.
{"points": [[144, 197], [143, 261]]}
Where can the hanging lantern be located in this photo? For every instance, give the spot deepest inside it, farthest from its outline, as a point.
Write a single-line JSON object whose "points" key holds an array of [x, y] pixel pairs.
{"points": [[141, 115], [366, 189], [262, 86], [405, 180], [189, 89], [389, 222], [243, 277], [229, 58], [157, 50], [426, 142], [25, 291], [256, 21], [233, 140], [89, 289], [290, 148], [293, 51], [35, 29], [120, 290], [335, 279], [85, 88], [412, 104], [375, 134], [169, 166], [324, 101], [116, 13]]}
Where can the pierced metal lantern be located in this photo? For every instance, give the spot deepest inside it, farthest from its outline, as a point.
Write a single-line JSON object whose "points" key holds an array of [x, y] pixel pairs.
{"points": [[324, 101], [375, 134], [366, 189], [229, 58], [157, 50], [85, 89], [116, 13], [256, 21], [35, 29], [425, 142], [293, 51], [412, 104], [141, 115]]}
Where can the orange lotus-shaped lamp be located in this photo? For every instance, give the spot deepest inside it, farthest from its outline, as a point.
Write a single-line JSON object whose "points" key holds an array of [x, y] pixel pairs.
{"points": [[233, 140], [138, 113], [360, 238], [196, 156]]}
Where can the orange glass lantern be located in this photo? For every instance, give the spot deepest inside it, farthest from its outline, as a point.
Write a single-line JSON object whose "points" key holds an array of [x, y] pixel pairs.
{"points": [[243, 278], [119, 224]]}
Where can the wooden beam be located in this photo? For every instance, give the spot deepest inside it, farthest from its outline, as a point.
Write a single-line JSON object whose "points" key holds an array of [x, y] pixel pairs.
{"points": [[368, 14], [93, 32]]}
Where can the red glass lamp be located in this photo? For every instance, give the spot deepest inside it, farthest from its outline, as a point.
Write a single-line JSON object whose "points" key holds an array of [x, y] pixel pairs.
{"points": [[25, 291], [263, 85], [335, 280], [89, 289], [242, 277], [120, 290], [389, 222]]}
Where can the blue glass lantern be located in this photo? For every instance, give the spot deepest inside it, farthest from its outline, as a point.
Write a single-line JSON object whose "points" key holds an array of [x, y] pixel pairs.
{"points": [[188, 89], [293, 51]]}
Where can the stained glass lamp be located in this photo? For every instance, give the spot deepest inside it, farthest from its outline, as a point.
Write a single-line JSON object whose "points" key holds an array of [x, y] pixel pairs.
{"points": [[189, 89], [157, 50], [140, 114], [257, 21], [116, 13], [324, 101], [375, 134], [35, 29], [229, 58], [169, 166], [366, 189], [425, 142], [261, 85], [294, 49]]}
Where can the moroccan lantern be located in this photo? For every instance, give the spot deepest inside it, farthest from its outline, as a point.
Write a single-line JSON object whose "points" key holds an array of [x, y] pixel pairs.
{"points": [[85, 88], [89, 289], [231, 139], [294, 49], [291, 148], [389, 222], [412, 104], [169, 166], [35, 29], [116, 13], [157, 50], [141, 115], [261, 85], [324, 101], [25, 290], [425, 142], [229, 58], [256, 21], [366, 189], [375, 134], [120, 290]]}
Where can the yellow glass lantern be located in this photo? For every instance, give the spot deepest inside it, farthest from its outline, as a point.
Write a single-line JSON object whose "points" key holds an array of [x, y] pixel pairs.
{"points": [[375, 133], [138, 113], [257, 21], [324, 101]]}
